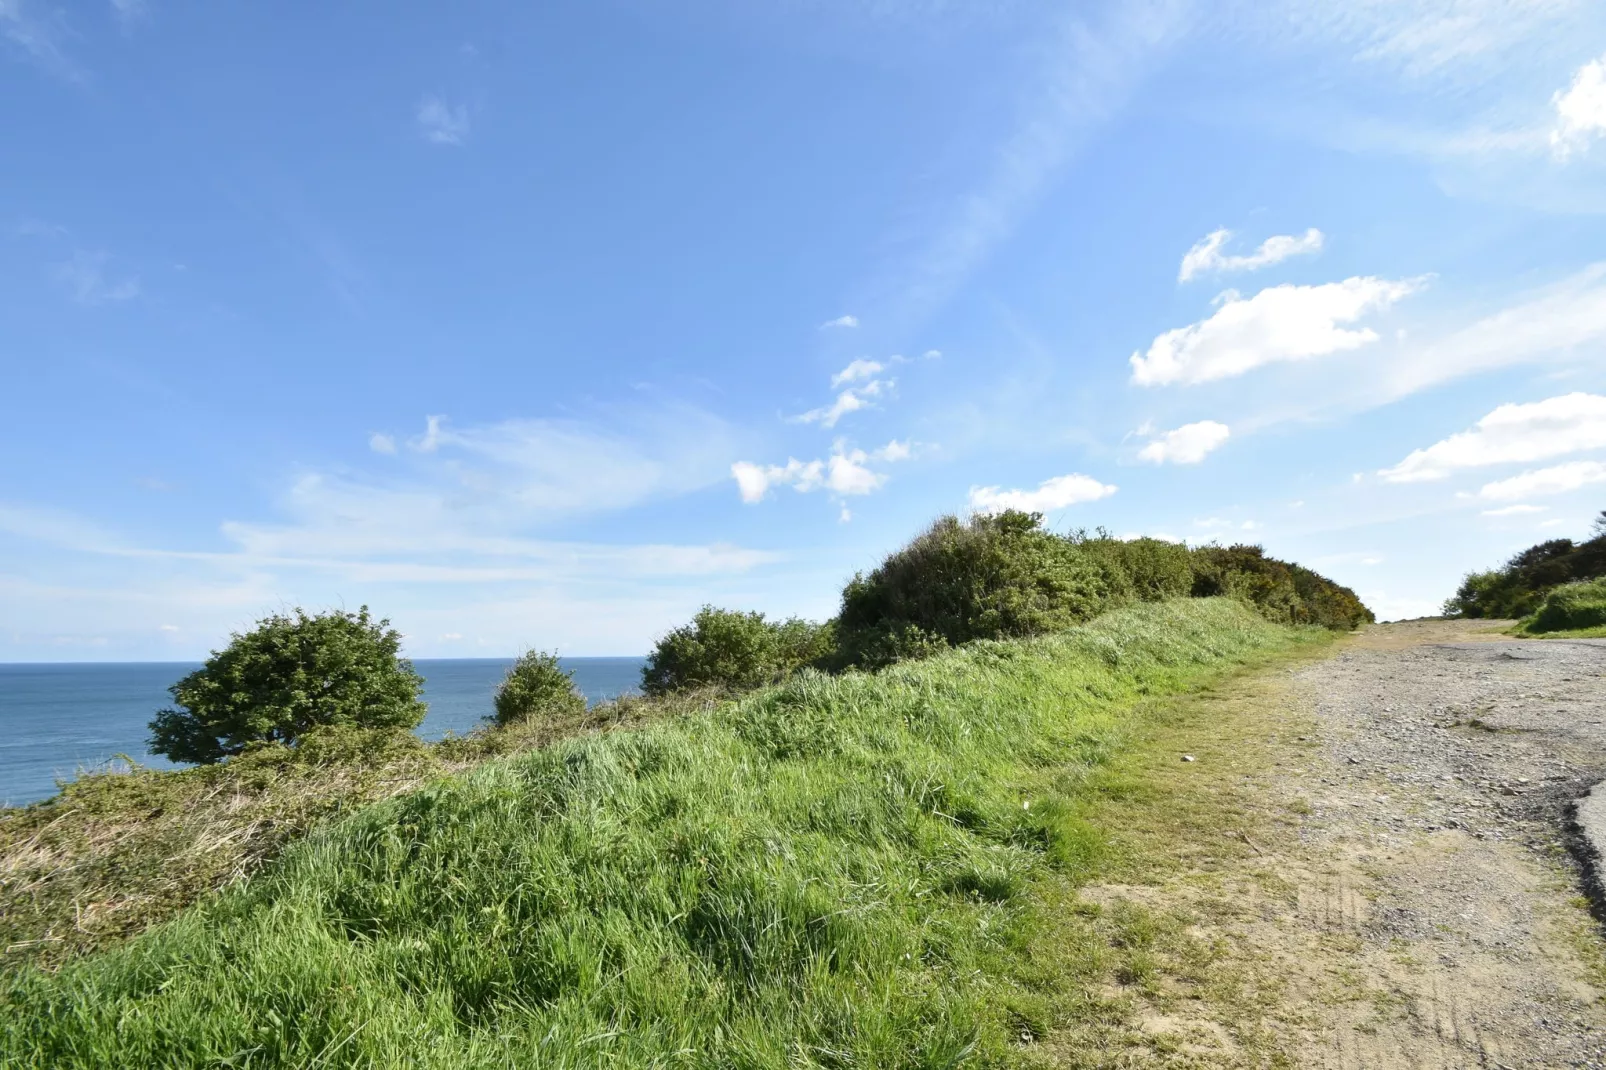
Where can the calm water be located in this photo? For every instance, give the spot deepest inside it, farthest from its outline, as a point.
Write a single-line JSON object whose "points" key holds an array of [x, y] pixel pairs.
{"points": [[57, 719]]}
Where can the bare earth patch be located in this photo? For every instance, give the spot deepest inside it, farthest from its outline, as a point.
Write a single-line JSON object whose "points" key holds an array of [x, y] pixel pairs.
{"points": [[1365, 865]]}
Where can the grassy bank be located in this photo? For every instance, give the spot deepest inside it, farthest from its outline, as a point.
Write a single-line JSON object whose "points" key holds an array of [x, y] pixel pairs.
{"points": [[837, 871]]}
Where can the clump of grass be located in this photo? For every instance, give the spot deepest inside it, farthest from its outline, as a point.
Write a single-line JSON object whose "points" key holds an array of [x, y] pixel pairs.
{"points": [[1574, 608], [829, 872], [117, 851]]}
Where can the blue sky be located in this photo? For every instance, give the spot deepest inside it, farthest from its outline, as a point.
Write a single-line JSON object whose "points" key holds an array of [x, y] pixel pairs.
{"points": [[545, 324]]}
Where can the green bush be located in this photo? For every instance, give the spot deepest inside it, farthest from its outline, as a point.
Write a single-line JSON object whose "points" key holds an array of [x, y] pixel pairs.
{"points": [[989, 577], [536, 685], [291, 674], [1283, 592], [1517, 588], [1149, 570], [1571, 606], [733, 651]]}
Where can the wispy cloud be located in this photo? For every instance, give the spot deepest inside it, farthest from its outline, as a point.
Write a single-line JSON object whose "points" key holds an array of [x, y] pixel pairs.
{"points": [[845, 472], [840, 321], [1511, 434], [1514, 510], [129, 12], [851, 400], [859, 369], [1283, 323], [442, 124], [1207, 258], [1057, 493], [39, 36], [85, 276], [1580, 110], [1188, 444]]}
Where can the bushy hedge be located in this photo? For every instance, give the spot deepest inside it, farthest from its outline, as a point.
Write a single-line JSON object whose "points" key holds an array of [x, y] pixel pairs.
{"points": [[1518, 587], [989, 577], [1004, 576], [1281, 591], [730, 650], [1571, 606]]}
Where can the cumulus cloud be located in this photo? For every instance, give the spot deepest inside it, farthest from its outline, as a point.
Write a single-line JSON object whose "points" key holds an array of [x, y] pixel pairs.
{"points": [[1544, 482], [859, 369], [847, 401], [1580, 109], [1511, 434], [442, 124], [381, 443], [846, 471], [1188, 444], [1051, 494], [840, 321], [1283, 323], [1206, 256]]}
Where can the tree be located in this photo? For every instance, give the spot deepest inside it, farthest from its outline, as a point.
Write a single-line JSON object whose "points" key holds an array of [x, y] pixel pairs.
{"points": [[729, 649], [290, 674], [536, 685]]}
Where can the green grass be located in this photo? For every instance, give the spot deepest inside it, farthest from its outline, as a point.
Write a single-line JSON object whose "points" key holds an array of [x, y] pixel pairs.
{"points": [[834, 872]]}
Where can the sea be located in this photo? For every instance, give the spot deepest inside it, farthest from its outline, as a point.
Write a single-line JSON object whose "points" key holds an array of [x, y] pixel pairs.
{"points": [[59, 719]]}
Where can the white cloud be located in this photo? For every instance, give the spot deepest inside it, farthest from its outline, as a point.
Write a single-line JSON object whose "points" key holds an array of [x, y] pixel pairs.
{"points": [[845, 471], [847, 401], [1514, 510], [840, 321], [1188, 444], [85, 276], [1580, 109], [1282, 323], [129, 11], [1051, 494], [1512, 434], [442, 124], [859, 369], [381, 443], [933, 354], [1545, 481], [1206, 256]]}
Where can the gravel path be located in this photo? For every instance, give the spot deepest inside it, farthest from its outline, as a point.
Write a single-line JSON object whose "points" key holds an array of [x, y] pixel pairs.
{"points": [[1440, 847]]}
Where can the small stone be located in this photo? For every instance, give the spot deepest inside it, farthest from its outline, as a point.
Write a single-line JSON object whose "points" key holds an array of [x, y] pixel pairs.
{"points": [[1188, 758]]}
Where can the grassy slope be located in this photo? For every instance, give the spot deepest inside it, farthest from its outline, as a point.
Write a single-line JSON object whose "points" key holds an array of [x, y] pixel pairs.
{"points": [[831, 872]]}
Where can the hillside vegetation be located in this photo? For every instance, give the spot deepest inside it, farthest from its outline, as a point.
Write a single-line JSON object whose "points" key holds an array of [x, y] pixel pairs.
{"points": [[835, 871], [1518, 588]]}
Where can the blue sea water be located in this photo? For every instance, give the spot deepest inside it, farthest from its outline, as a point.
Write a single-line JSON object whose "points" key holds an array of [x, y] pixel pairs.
{"points": [[57, 719]]}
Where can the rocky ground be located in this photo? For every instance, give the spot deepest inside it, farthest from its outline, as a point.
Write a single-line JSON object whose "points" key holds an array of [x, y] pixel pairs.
{"points": [[1406, 887]]}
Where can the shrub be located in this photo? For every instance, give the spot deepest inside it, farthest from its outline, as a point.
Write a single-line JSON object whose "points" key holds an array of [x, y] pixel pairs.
{"points": [[732, 651], [1517, 588], [1149, 570], [536, 685], [291, 674], [1571, 606], [1284, 592], [989, 577]]}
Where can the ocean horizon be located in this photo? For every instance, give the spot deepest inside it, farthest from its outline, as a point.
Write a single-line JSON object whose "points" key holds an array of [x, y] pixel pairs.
{"points": [[58, 719]]}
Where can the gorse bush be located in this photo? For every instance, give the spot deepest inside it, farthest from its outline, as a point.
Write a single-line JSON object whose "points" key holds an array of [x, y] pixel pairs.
{"points": [[1003, 576], [733, 651], [1517, 588], [1570, 607], [536, 685], [292, 673], [990, 577], [1283, 592]]}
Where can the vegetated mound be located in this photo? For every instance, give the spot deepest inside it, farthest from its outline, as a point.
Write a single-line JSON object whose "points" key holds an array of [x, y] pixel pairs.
{"points": [[836, 866], [1569, 608], [1517, 588], [1005, 576]]}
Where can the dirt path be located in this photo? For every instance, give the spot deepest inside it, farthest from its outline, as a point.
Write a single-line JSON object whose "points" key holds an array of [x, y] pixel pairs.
{"points": [[1436, 841], [1406, 897]]}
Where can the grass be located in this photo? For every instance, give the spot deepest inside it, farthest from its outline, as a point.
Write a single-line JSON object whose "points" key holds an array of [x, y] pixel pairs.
{"points": [[842, 871]]}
